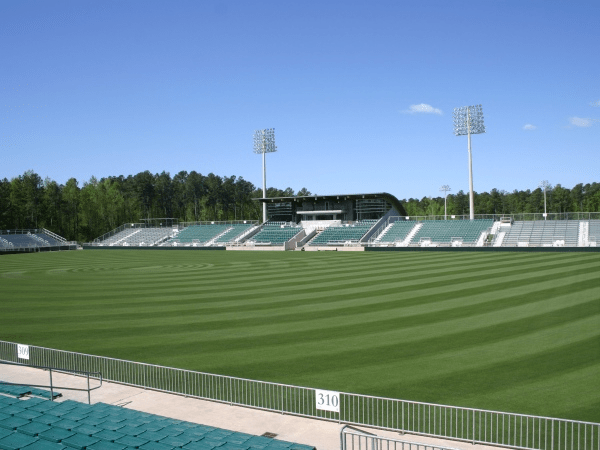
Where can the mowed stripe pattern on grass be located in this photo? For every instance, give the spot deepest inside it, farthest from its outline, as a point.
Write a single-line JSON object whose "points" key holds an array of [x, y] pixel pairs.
{"points": [[516, 332]]}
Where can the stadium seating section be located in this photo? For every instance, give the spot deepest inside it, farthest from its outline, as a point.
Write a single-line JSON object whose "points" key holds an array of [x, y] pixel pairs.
{"points": [[445, 231], [275, 233], [594, 232], [200, 233], [138, 237], [37, 424], [343, 234], [233, 233], [39, 239], [397, 232], [542, 233]]}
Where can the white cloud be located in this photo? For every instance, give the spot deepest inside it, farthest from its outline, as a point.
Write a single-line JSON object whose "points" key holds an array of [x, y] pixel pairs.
{"points": [[581, 122], [422, 108], [528, 126], [596, 103]]}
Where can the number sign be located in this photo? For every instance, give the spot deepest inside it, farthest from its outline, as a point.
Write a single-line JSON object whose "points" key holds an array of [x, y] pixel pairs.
{"points": [[327, 400], [23, 351]]}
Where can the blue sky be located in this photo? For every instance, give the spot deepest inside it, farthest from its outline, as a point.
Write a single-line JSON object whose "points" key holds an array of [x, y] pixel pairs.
{"points": [[99, 88]]}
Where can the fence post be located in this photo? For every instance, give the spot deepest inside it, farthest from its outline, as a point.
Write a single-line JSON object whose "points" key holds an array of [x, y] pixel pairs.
{"points": [[51, 387]]}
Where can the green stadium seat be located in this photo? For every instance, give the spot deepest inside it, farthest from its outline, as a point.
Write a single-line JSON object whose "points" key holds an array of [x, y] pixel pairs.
{"points": [[13, 409], [131, 441], [108, 435], [44, 393], [177, 441], [28, 414], [42, 406], [66, 424], [47, 419], [55, 434], [16, 441], [16, 391], [152, 445], [33, 428], [41, 444], [88, 430], [106, 445], [12, 423], [4, 432], [153, 435], [79, 441], [33, 401]]}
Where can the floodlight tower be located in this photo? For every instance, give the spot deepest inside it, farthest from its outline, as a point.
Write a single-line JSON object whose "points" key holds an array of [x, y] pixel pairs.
{"points": [[469, 120], [264, 142], [545, 186], [445, 188]]}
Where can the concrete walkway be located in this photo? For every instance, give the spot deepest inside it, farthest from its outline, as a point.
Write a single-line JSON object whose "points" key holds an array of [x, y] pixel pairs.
{"points": [[321, 434]]}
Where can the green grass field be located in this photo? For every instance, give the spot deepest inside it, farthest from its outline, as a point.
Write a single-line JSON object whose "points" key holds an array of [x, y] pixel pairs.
{"points": [[515, 332]]}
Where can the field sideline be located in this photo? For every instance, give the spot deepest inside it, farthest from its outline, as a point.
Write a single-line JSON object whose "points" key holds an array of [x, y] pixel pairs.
{"points": [[515, 332]]}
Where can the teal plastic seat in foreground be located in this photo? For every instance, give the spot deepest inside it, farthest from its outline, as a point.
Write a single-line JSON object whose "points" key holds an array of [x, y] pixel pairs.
{"points": [[40, 444], [16, 441], [106, 445], [46, 425]]}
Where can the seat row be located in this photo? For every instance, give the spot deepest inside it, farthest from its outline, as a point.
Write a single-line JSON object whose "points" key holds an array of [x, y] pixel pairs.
{"points": [[37, 424]]}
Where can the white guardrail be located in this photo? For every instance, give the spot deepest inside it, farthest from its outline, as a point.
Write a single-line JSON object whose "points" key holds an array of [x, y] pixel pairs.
{"points": [[354, 439], [426, 419]]}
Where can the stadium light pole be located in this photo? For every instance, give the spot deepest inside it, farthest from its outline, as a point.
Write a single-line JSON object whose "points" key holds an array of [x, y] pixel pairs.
{"points": [[469, 120], [264, 142], [445, 188], [544, 185]]}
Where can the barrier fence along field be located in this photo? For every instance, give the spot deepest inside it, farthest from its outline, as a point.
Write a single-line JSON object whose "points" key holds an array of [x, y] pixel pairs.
{"points": [[462, 424], [354, 439]]}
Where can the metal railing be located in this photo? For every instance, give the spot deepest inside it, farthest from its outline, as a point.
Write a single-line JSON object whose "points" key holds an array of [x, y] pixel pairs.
{"points": [[52, 386], [354, 439], [427, 419], [514, 216]]}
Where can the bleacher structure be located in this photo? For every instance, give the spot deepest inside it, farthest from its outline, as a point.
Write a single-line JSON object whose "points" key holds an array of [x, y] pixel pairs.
{"points": [[33, 240], [175, 235], [275, 234], [343, 234], [540, 233], [37, 424], [355, 222]]}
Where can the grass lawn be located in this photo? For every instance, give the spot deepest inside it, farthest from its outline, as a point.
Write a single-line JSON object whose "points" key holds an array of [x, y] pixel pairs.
{"points": [[515, 332]]}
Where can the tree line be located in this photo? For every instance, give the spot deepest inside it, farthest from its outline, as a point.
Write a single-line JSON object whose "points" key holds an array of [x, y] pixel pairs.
{"points": [[86, 211], [559, 199]]}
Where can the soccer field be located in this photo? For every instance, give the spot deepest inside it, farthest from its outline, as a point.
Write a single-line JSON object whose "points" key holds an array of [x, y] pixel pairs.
{"points": [[515, 332]]}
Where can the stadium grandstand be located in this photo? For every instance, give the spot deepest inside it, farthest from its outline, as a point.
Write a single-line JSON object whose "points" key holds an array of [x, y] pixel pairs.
{"points": [[355, 222], [33, 240]]}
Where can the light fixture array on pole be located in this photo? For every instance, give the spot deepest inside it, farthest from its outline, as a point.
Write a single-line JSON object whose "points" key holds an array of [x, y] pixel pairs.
{"points": [[545, 186], [264, 142], [445, 188], [468, 120]]}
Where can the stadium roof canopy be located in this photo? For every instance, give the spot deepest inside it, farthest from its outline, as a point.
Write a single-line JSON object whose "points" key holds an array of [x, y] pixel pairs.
{"points": [[391, 199]]}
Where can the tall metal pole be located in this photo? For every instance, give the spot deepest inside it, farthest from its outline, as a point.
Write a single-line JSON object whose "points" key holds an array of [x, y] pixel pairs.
{"points": [[264, 186], [471, 195], [545, 185], [445, 188]]}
